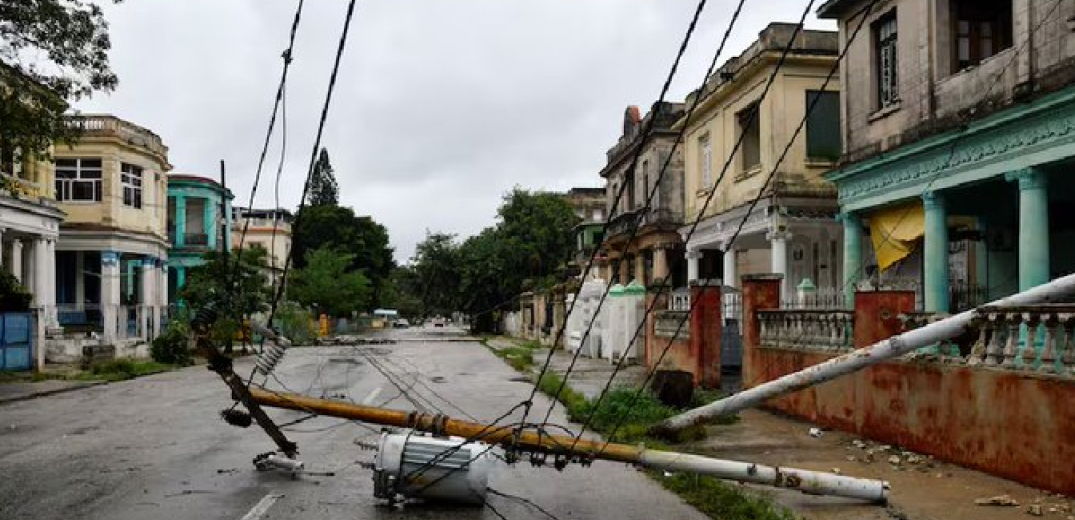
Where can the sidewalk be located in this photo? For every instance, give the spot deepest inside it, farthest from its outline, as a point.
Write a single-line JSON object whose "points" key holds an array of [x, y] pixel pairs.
{"points": [[19, 391], [922, 488]]}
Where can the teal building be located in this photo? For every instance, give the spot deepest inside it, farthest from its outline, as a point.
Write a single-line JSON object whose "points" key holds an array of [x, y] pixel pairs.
{"points": [[199, 221]]}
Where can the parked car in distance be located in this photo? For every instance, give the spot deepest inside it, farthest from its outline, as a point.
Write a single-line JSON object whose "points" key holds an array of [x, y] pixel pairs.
{"points": [[401, 323]]}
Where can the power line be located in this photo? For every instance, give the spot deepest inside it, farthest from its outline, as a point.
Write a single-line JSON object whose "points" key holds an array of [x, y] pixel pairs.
{"points": [[650, 193], [313, 155], [647, 129], [694, 226]]}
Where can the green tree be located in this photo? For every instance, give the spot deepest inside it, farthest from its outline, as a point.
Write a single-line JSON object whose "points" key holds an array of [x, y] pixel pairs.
{"points": [[52, 52], [401, 292], [337, 227], [323, 188], [436, 266], [328, 284], [234, 292]]}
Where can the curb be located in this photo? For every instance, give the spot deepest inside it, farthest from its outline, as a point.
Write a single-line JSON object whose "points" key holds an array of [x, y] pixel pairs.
{"points": [[45, 393]]}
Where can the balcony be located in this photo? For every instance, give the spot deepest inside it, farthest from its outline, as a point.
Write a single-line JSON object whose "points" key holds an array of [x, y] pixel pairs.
{"points": [[623, 222], [111, 126]]}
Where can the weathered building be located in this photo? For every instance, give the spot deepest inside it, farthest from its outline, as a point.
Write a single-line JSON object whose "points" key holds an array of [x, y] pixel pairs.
{"points": [[791, 230], [199, 221], [269, 229], [644, 256], [958, 117], [112, 249], [589, 206]]}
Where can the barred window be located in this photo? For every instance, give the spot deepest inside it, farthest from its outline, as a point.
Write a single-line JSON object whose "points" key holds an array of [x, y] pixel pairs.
{"points": [[885, 41]]}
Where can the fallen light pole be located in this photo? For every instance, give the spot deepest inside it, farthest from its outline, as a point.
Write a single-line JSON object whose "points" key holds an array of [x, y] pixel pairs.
{"points": [[811, 482], [890, 348]]}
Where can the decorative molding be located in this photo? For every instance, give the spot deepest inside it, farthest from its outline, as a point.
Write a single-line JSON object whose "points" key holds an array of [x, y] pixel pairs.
{"points": [[1028, 179], [109, 258], [999, 144]]}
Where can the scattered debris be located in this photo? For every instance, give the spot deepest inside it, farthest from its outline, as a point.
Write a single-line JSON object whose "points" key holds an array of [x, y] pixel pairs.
{"points": [[227, 471], [858, 444], [836, 471], [815, 433], [1034, 510], [851, 458], [894, 460], [999, 500]]}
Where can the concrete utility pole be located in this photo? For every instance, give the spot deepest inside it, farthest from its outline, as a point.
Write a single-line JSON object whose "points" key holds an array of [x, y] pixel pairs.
{"points": [[810, 482], [890, 348]]}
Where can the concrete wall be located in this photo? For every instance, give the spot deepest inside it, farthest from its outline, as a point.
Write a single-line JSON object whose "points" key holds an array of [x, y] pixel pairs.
{"points": [[697, 352], [1017, 425], [780, 112], [111, 212], [934, 96]]}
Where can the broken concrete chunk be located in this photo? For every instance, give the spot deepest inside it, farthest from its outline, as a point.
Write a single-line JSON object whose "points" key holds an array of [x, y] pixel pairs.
{"points": [[858, 444], [1034, 510], [894, 460], [999, 500]]}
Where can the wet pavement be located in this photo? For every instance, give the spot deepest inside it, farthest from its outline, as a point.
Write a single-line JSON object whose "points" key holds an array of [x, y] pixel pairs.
{"points": [[155, 447]]}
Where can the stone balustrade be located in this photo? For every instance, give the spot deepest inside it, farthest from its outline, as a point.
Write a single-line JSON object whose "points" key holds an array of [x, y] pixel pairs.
{"points": [[104, 125], [829, 330], [679, 300], [1038, 338]]}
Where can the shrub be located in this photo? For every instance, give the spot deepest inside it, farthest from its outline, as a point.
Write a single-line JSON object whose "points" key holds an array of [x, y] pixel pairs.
{"points": [[13, 296], [295, 323], [173, 345]]}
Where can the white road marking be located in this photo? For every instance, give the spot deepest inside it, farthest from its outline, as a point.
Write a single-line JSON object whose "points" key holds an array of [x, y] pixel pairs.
{"points": [[262, 507], [373, 395]]}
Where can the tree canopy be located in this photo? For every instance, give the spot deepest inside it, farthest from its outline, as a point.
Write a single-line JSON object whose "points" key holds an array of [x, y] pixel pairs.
{"points": [[52, 52], [526, 249], [327, 283]]}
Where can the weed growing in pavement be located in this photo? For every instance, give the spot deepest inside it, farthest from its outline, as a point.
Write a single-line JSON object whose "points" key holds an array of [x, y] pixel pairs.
{"points": [[520, 356], [123, 369]]}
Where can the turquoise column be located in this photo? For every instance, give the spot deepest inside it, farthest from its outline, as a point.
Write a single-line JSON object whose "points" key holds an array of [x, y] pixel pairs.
{"points": [[180, 277], [1033, 227], [209, 222], [180, 221], [935, 252], [852, 256]]}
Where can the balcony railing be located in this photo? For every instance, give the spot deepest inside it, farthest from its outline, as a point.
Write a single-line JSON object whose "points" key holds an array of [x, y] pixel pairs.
{"points": [[1038, 338], [623, 222], [826, 330], [196, 239], [103, 125]]}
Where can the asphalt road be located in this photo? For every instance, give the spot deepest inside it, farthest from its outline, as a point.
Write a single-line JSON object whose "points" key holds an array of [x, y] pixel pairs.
{"points": [[156, 448]]}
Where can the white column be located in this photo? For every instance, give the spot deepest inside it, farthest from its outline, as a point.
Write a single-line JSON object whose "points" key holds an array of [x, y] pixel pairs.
{"points": [[44, 293], [693, 255], [50, 281], [16, 259], [778, 243], [148, 302], [110, 295], [731, 278]]}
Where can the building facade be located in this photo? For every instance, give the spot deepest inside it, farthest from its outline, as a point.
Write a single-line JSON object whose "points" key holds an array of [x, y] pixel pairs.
{"points": [[199, 221], [269, 229], [959, 116], [589, 207], [112, 249], [644, 257], [791, 230]]}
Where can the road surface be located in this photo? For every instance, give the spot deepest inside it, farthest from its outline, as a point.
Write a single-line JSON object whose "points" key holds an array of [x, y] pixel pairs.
{"points": [[156, 448]]}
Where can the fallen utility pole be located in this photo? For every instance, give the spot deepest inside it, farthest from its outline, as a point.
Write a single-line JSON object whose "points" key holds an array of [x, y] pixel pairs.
{"points": [[890, 348], [811, 482]]}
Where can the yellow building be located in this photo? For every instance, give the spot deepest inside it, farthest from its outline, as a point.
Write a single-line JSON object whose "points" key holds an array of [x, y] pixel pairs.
{"points": [[792, 230], [269, 229], [110, 259]]}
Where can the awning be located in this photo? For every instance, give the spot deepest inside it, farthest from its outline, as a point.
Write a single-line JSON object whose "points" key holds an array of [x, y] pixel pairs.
{"points": [[894, 231]]}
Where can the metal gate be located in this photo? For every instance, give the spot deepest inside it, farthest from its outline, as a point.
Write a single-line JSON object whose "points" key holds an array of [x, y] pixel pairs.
{"points": [[16, 341]]}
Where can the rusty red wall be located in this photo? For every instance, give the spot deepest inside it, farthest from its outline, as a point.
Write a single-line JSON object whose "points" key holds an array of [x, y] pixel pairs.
{"points": [[877, 315], [700, 354], [1018, 426]]}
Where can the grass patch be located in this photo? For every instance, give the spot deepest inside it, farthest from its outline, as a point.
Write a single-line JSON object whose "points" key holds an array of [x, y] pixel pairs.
{"points": [[520, 356], [123, 369], [718, 499]]}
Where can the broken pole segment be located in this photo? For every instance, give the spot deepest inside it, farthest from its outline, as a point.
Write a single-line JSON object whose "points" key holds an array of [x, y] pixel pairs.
{"points": [[811, 482], [851, 362]]}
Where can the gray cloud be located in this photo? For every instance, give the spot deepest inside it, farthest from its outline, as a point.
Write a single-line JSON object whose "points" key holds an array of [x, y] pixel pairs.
{"points": [[440, 108]]}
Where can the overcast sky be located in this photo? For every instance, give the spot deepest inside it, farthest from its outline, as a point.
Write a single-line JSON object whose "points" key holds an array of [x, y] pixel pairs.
{"points": [[441, 106]]}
